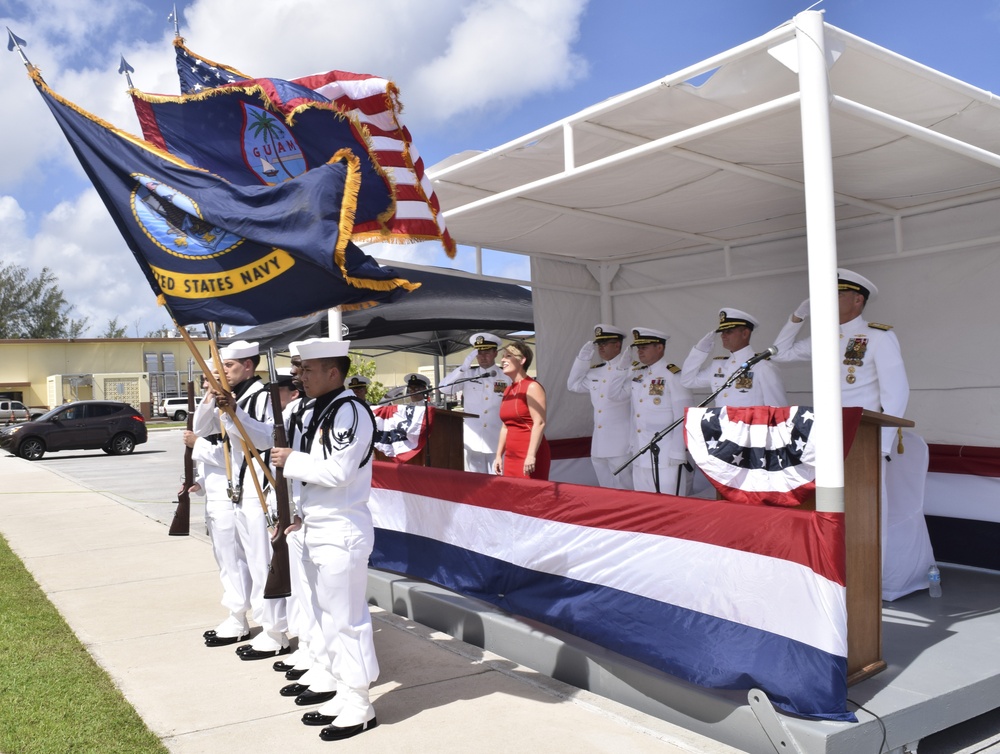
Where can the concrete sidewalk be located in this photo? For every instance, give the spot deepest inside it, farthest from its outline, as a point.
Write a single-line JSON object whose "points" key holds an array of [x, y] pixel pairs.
{"points": [[139, 601]]}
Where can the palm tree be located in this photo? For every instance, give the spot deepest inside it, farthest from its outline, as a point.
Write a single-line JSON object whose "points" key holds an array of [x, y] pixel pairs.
{"points": [[264, 124]]}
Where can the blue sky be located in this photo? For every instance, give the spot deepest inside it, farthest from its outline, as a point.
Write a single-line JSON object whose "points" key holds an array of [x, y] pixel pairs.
{"points": [[472, 75]]}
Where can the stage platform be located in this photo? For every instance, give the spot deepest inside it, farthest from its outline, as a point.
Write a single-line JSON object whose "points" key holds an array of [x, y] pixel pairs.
{"points": [[943, 658]]}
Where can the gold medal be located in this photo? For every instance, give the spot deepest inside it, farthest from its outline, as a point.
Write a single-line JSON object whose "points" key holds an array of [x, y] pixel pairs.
{"points": [[656, 401], [851, 379]]}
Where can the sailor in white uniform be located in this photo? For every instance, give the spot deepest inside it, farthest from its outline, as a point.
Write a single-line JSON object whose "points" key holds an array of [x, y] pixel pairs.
{"points": [[253, 409], [331, 471]]}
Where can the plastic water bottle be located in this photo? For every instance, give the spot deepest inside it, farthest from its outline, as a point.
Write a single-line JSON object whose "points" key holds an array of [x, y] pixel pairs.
{"points": [[934, 577]]}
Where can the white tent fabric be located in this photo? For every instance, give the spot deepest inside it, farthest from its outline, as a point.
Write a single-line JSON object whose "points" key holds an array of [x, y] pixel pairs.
{"points": [[906, 547], [661, 205]]}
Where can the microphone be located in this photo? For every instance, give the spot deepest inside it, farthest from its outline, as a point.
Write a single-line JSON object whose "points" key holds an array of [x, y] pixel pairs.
{"points": [[773, 350], [491, 373]]}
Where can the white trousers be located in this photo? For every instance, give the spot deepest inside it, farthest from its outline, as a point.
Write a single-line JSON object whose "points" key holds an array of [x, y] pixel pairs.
{"points": [[605, 468], [251, 528], [481, 463], [338, 576], [228, 550]]}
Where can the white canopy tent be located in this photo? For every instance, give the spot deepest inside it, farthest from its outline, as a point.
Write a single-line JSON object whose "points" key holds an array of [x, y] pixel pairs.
{"points": [[704, 189]]}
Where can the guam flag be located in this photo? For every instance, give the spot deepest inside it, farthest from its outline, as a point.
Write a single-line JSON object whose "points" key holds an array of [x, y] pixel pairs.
{"points": [[223, 250], [759, 455], [263, 132]]}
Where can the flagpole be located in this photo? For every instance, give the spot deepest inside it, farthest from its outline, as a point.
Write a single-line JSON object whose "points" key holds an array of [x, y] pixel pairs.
{"points": [[15, 42], [124, 67], [173, 17]]}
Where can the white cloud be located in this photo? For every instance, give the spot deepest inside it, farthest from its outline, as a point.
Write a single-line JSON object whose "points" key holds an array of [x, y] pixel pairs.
{"points": [[502, 52], [450, 58], [78, 241]]}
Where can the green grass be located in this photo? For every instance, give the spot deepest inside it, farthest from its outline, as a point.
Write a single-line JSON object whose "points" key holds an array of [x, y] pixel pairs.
{"points": [[54, 699]]}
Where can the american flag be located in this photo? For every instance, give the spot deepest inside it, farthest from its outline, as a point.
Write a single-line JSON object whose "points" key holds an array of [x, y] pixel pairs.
{"points": [[761, 455], [374, 103], [401, 431]]}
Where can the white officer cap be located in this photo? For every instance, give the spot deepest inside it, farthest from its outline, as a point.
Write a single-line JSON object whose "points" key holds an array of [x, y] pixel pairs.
{"points": [[730, 318], [358, 380], [852, 281], [414, 377], [293, 347], [644, 335], [323, 348], [484, 341], [604, 332], [239, 349]]}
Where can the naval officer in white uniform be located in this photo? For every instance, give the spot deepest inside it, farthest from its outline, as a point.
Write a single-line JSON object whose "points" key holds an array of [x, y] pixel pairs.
{"points": [[872, 374], [612, 406], [761, 385], [658, 399], [481, 395]]}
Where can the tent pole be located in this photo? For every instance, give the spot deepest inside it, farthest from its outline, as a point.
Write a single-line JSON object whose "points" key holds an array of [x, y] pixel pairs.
{"points": [[335, 324], [821, 237]]}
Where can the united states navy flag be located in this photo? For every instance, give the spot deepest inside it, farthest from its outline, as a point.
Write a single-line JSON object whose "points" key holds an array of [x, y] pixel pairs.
{"points": [[216, 250]]}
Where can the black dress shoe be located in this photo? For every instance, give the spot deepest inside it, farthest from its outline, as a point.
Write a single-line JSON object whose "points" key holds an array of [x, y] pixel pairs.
{"points": [[317, 718], [224, 641], [263, 654], [314, 697], [295, 673], [293, 689], [244, 648], [333, 733], [209, 632], [283, 667]]}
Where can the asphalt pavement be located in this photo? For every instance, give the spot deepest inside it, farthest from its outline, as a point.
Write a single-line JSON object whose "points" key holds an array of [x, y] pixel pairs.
{"points": [[92, 529]]}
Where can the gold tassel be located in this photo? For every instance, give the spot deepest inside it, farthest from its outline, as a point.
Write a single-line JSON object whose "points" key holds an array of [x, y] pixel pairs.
{"points": [[899, 440]]}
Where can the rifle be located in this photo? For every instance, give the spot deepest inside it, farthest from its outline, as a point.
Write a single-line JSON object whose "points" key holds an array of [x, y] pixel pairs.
{"points": [[279, 579], [181, 524]]}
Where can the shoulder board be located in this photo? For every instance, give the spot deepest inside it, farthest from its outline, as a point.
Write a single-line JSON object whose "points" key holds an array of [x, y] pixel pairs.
{"points": [[719, 358], [878, 326], [598, 366], [674, 368], [638, 365]]}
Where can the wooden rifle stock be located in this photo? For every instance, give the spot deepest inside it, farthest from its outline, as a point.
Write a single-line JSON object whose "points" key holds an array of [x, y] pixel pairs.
{"points": [[279, 579], [181, 524]]}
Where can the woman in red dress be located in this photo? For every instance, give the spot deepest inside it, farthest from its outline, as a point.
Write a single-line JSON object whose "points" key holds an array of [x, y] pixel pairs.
{"points": [[522, 450]]}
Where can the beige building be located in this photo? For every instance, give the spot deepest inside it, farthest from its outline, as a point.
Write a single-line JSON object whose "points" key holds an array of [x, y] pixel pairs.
{"points": [[138, 371]]}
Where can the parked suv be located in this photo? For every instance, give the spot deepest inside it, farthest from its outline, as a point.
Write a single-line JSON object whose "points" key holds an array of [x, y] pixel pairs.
{"points": [[177, 408], [116, 428]]}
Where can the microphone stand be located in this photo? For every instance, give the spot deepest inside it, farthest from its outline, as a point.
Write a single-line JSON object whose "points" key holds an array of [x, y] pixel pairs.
{"points": [[653, 446], [491, 373]]}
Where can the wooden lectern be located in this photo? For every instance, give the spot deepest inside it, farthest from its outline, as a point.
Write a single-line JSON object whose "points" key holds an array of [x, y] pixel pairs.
{"points": [[863, 542], [445, 446]]}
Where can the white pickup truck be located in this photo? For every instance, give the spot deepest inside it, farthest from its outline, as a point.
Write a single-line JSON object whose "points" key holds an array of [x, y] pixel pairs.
{"points": [[15, 411]]}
